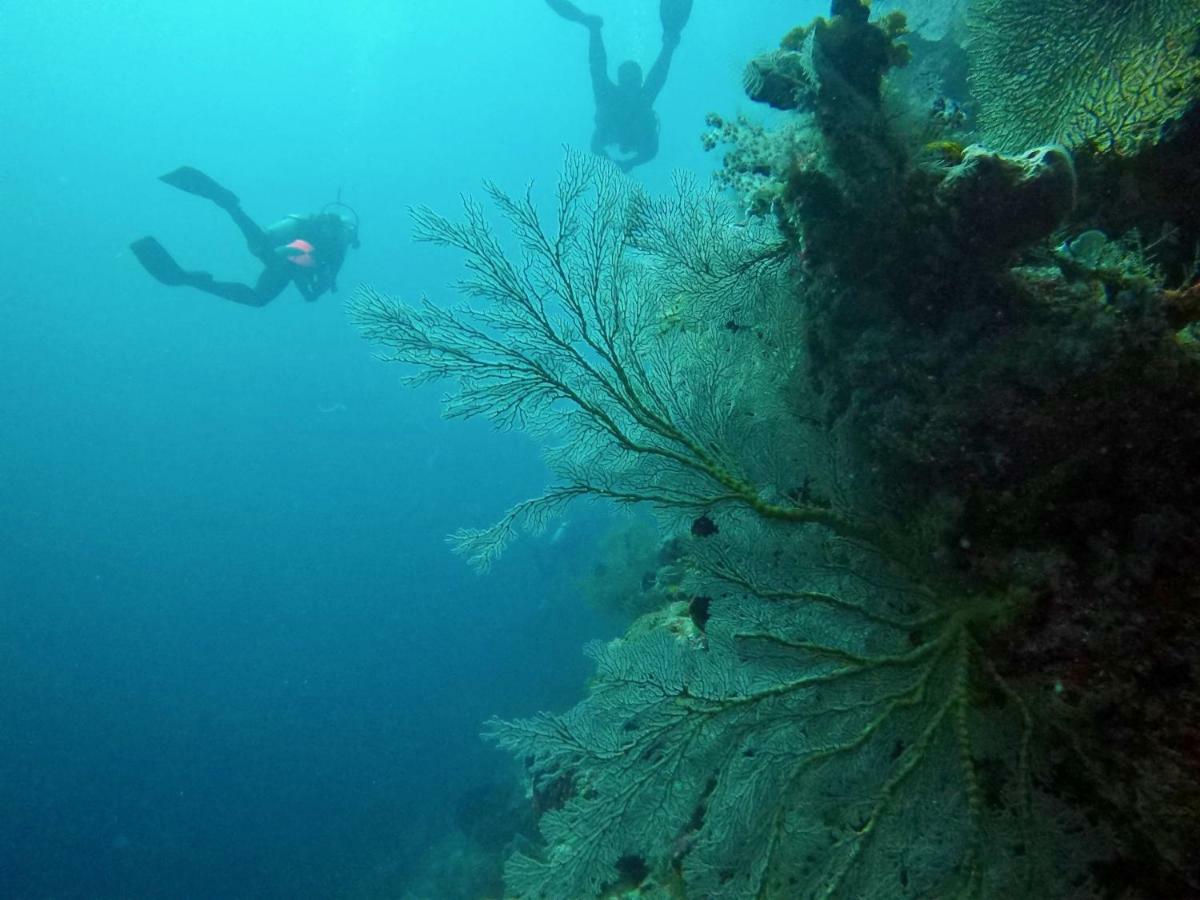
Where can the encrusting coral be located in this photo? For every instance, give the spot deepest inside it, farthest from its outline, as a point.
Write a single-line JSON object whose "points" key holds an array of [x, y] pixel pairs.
{"points": [[1051, 402], [996, 204]]}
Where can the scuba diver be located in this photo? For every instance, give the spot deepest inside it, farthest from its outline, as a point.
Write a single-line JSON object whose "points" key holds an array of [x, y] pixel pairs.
{"points": [[625, 110], [306, 251]]}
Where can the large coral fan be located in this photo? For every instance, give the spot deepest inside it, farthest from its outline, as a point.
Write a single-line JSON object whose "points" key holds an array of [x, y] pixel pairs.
{"points": [[835, 733], [1100, 72]]}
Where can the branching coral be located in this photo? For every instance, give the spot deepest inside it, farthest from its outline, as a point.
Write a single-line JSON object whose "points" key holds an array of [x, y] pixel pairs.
{"points": [[570, 343], [846, 738], [1099, 72], [821, 699]]}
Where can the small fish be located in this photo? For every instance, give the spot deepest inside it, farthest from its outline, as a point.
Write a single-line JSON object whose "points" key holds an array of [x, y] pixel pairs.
{"points": [[1085, 248]]}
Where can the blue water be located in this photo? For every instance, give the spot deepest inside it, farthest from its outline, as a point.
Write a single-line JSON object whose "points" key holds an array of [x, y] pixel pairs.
{"points": [[236, 657]]}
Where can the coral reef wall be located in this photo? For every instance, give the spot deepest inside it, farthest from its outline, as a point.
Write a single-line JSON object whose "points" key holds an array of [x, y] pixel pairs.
{"points": [[919, 426]]}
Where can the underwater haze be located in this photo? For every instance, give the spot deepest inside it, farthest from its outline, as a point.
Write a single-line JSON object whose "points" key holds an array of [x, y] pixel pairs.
{"points": [[237, 659]]}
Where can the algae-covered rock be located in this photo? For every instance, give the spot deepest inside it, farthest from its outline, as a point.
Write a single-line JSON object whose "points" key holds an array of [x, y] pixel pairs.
{"points": [[830, 62], [1001, 203]]}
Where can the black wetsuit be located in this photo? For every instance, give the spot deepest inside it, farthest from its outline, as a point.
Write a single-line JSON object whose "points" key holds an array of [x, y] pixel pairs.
{"points": [[625, 115], [325, 232], [307, 251]]}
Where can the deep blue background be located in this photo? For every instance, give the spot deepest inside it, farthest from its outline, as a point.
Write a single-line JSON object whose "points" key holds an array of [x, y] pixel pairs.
{"points": [[236, 657]]}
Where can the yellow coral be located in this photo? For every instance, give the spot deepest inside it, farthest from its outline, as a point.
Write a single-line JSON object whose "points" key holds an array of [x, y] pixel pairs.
{"points": [[946, 151]]}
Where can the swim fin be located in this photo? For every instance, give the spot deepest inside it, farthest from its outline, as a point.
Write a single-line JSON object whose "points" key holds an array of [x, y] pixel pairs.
{"points": [[569, 11], [158, 262], [196, 182], [674, 15]]}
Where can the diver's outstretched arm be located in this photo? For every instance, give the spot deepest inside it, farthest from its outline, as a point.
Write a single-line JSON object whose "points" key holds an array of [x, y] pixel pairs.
{"points": [[598, 63], [656, 78], [597, 57], [674, 15]]}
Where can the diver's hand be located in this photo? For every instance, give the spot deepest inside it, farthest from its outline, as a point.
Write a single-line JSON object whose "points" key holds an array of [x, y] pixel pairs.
{"points": [[308, 289]]}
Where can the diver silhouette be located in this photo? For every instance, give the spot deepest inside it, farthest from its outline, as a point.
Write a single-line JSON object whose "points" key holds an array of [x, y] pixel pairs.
{"points": [[625, 114], [307, 251]]}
